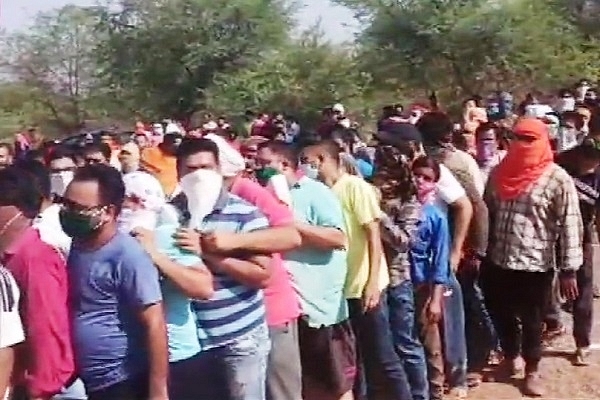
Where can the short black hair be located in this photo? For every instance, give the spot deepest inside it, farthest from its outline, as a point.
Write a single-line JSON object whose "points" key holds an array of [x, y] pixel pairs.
{"points": [[190, 146], [19, 189], [40, 173], [435, 127], [99, 147], [329, 147], [61, 152], [286, 150], [34, 155], [111, 187], [575, 117]]}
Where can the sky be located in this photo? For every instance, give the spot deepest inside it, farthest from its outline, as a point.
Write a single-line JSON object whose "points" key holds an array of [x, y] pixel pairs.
{"points": [[336, 21]]}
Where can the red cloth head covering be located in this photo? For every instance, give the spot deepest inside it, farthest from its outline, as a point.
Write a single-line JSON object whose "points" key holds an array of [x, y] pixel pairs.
{"points": [[525, 161]]}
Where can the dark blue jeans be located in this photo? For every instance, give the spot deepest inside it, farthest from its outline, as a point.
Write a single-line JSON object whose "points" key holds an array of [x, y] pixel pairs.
{"points": [[376, 357], [479, 328], [455, 342], [401, 303]]}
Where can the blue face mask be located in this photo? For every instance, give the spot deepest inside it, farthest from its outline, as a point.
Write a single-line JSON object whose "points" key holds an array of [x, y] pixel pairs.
{"points": [[309, 171]]}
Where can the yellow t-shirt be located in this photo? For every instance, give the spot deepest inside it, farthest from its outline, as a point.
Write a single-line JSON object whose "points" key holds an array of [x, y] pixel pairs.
{"points": [[361, 207]]}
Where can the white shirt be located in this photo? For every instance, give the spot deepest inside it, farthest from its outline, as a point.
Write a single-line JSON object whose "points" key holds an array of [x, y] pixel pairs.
{"points": [[11, 328], [449, 189], [48, 225]]}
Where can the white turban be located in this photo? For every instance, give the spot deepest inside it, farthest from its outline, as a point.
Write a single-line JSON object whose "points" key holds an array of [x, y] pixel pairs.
{"points": [[231, 161]]}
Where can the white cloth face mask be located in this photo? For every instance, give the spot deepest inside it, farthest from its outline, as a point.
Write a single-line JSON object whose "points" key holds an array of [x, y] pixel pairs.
{"points": [[202, 189]]}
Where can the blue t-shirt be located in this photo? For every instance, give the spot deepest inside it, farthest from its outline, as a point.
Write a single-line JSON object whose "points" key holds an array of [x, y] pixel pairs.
{"points": [[108, 289], [181, 322]]}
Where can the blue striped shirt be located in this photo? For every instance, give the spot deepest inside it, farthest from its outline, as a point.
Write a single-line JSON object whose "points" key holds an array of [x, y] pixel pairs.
{"points": [[234, 309]]}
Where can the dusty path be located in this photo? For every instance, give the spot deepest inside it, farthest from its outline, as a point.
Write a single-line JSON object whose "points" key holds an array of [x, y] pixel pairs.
{"points": [[563, 381]]}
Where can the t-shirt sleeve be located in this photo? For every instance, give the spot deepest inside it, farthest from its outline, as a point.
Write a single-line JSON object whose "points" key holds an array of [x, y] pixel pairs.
{"points": [[276, 212], [11, 328], [139, 277], [165, 244], [364, 202], [327, 211], [253, 221], [449, 189]]}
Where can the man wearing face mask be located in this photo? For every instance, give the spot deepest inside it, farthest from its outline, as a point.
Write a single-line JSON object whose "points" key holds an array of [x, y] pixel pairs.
{"points": [[118, 320], [231, 325], [62, 165], [319, 270], [40, 272], [367, 278]]}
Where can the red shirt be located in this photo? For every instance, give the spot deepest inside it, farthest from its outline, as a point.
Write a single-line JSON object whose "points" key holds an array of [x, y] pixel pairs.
{"points": [[281, 301], [41, 273]]}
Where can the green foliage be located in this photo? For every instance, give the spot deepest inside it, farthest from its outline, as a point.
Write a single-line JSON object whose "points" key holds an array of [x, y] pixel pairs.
{"points": [[161, 56], [301, 77], [78, 67]]}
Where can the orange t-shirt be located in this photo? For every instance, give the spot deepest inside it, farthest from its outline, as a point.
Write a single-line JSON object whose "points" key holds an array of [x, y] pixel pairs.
{"points": [[162, 166]]}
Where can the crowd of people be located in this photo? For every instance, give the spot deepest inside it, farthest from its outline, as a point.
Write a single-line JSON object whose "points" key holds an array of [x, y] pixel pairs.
{"points": [[291, 265]]}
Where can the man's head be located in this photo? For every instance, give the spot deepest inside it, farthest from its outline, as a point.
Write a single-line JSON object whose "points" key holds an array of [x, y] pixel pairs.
{"points": [[170, 143], [404, 137], [96, 153], [436, 128], [92, 201], [281, 156], [321, 160], [40, 174], [141, 139], [194, 154], [129, 157], [6, 155], [20, 196], [62, 164]]}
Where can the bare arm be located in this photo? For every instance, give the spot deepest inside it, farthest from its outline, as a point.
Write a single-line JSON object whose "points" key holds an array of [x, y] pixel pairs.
{"points": [[463, 212], [326, 238], [158, 353], [7, 360], [195, 282], [270, 240], [254, 272], [375, 250]]}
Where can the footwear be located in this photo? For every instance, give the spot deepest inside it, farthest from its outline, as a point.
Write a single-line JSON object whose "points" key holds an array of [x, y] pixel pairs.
{"points": [[495, 358], [474, 379], [517, 367], [533, 385], [596, 292], [582, 357], [459, 393]]}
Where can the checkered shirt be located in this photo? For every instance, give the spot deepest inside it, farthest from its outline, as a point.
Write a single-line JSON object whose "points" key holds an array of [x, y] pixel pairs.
{"points": [[539, 230]]}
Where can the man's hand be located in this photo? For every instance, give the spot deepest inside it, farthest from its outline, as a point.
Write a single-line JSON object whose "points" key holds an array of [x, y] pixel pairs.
{"points": [[434, 311], [568, 286], [188, 239], [146, 238], [371, 296], [219, 242]]}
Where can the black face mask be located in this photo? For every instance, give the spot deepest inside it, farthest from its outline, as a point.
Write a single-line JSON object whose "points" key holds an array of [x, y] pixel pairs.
{"points": [[81, 225]]}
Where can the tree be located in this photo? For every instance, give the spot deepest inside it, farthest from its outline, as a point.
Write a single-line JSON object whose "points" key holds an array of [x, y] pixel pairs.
{"points": [[300, 78], [54, 61], [161, 56], [464, 47]]}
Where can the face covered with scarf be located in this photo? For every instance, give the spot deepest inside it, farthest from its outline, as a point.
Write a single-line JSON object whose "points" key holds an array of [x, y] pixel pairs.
{"points": [[528, 157]]}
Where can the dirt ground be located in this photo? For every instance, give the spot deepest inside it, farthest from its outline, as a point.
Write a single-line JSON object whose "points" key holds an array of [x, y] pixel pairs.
{"points": [[562, 380]]}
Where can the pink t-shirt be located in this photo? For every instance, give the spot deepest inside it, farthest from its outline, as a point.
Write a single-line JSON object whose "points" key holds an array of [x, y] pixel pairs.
{"points": [[281, 300]]}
